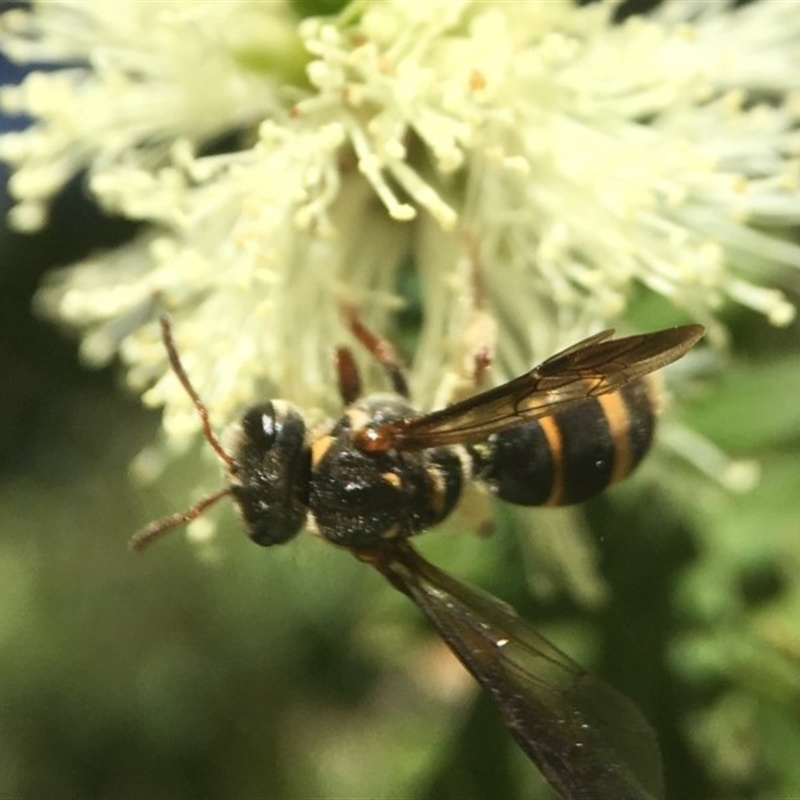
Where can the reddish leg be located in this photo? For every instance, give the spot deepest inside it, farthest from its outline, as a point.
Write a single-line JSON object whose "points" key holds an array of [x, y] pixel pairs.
{"points": [[348, 376], [482, 357], [382, 350]]}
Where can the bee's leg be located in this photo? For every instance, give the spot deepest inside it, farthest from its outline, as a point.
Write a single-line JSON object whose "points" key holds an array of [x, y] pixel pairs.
{"points": [[481, 361], [348, 376], [482, 331], [382, 350], [470, 348]]}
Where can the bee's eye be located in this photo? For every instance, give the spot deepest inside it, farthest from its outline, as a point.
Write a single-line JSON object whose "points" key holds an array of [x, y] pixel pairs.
{"points": [[260, 426]]}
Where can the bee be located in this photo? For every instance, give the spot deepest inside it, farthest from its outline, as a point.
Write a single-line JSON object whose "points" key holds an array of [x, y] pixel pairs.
{"points": [[561, 433]]}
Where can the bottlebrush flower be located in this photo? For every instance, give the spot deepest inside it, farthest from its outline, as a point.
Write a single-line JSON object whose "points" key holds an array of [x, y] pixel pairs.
{"points": [[583, 158]]}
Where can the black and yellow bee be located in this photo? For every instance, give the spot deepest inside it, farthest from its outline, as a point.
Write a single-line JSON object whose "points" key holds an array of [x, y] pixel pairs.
{"points": [[561, 433]]}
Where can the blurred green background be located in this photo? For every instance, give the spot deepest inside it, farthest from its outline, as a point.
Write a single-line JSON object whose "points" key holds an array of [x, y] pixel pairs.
{"points": [[230, 671]]}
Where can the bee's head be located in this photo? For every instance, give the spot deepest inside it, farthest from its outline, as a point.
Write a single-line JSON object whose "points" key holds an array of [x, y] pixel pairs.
{"points": [[270, 473]]}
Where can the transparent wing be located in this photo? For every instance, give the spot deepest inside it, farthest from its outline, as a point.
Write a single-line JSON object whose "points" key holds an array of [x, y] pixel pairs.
{"points": [[588, 740], [595, 366]]}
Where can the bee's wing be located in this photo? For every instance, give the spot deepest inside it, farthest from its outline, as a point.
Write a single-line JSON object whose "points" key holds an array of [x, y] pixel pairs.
{"points": [[588, 740], [595, 366]]}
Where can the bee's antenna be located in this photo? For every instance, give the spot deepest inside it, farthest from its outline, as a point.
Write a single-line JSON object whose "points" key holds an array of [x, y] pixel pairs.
{"points": [[159, 527], [180, 372]]}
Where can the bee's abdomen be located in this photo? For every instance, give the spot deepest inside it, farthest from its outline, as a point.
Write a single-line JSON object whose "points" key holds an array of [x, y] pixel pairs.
{"points": [[572, 455]]}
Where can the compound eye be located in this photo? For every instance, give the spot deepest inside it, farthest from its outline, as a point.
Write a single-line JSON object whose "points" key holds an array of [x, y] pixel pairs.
{"points": [[260, 426]]}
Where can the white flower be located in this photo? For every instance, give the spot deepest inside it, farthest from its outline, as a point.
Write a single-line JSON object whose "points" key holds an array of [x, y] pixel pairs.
{"points": [[577, 158]]}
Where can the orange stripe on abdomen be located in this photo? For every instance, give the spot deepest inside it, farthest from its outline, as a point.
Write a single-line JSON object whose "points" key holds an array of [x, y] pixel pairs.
{"points": [[615, 410], [555, 442]]}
